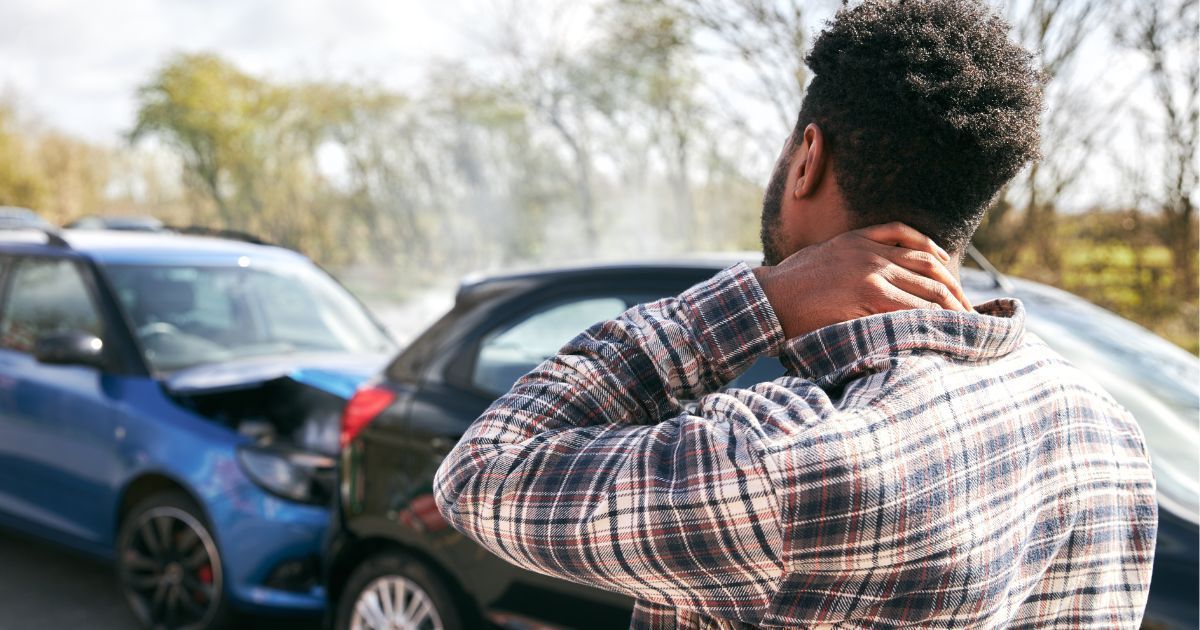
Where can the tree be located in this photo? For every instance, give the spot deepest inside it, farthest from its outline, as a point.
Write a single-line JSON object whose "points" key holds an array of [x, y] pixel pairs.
{"points": [[79, 172], [555, 79], [242, 141], [1166, 34], [59, 176], [1074, 121], [765, 40], [20, 183], [649, 50]]}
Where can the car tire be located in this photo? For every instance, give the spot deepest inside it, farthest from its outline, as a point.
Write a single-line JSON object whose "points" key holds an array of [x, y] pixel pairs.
{"points": [[377, 584], [169, 567]]}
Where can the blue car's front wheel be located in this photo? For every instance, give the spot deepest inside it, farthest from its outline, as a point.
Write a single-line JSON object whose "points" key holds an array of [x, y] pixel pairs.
{"points": [[169, 566]]}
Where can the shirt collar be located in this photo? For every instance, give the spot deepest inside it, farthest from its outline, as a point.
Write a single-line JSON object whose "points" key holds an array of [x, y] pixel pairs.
{"points": [[841, 351]]}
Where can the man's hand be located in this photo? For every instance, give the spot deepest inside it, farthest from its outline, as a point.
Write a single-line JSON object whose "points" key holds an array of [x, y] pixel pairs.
{"points": [[878, 269]]}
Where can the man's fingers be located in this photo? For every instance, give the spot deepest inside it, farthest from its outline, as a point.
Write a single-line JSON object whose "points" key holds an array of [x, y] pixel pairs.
{"points": [[926, 265], [900, 234], [918, 291]]}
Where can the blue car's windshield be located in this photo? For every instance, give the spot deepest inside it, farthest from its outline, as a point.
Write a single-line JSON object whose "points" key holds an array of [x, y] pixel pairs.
{"points": [[191, 315]]}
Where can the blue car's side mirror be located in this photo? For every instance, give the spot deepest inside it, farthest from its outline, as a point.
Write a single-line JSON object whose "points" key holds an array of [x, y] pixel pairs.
{"points": [[70, 348]]}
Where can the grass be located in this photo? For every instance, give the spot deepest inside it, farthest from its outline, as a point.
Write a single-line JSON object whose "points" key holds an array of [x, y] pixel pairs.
{"points": [[1123, 270]]}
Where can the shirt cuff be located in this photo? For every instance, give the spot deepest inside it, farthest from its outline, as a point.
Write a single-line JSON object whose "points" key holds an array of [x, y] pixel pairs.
{"points": [[735, 322]]}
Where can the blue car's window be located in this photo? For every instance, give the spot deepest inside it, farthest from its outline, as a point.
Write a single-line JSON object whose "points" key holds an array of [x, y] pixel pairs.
{"points": [[507, 354], [46, 296], [192, 315]]}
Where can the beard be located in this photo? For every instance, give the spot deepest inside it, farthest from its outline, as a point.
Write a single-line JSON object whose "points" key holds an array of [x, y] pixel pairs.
{"points": [[772, 208]]}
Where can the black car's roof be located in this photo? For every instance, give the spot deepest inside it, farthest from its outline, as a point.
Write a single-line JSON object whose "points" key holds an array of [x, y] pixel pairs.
{"points": [[481, 286], [476, 287]]}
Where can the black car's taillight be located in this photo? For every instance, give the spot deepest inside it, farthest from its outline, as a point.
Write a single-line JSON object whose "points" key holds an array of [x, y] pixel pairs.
{"points": [[366, 404]]}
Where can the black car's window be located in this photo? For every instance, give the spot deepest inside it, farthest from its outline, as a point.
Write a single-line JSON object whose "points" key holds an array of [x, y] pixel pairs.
{"points": [[510, 352], [507, 354], [45, 296], [761, 371]]}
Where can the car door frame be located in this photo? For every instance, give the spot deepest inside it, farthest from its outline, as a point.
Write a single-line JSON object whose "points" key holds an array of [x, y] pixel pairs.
{"points": [[118, 363], [463, 343], [458, 370]]}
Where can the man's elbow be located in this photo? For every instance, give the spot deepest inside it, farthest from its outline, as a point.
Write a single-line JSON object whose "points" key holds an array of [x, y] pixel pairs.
{"points": [[447, 484]]}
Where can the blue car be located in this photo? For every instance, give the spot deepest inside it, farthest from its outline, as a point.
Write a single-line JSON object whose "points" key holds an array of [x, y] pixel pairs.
{"points": [[172, 403]]}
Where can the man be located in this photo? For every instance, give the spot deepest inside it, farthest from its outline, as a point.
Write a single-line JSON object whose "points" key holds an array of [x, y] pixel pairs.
{"points": [[932, 467]]}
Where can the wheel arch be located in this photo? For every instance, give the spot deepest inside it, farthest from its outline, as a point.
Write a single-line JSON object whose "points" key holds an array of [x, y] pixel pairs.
{"points": [[148, 484], [178, 497], [359, 550]]}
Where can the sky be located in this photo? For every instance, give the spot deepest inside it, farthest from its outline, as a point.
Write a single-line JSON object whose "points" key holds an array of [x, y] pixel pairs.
{"points": [[76, 64]]}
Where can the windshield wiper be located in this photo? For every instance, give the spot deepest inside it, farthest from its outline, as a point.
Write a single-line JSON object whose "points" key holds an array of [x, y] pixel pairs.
{"points": [[998, 279]]}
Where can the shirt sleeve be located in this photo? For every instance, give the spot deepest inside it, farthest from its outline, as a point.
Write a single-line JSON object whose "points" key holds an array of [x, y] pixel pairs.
{"points": [[589, 469]]}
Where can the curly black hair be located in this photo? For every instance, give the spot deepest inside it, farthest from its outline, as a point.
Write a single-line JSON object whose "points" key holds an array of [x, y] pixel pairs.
{"points": [[927, 108]]}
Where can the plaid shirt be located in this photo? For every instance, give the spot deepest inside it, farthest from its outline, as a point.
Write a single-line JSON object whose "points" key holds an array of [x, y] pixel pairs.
{"points": [[925, 468]]}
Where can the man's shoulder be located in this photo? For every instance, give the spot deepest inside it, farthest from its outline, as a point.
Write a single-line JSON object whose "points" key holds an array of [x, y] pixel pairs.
{"points": [[889, 393], [1039, 381], [1062, 374], [1033, 379]]}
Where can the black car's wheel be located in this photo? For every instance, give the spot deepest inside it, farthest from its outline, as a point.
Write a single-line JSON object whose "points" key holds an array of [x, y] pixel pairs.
{"points": [[393, 590], [168, 565]]}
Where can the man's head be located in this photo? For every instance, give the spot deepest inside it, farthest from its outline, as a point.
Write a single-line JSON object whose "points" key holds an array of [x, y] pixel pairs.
{"points": [[918, 111]]}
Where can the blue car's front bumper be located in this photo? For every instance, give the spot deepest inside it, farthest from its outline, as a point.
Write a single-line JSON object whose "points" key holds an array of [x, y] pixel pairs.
{"points": [[270, 548]]}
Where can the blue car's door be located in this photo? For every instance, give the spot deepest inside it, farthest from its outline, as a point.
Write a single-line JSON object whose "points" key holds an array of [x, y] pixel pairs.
{"points": [[57, 422]]}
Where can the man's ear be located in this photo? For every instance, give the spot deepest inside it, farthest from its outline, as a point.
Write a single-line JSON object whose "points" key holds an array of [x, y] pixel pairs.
{"points": [[808, 163]]}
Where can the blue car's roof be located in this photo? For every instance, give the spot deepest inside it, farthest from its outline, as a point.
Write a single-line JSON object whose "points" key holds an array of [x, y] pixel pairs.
{"points": [[132, 248]]}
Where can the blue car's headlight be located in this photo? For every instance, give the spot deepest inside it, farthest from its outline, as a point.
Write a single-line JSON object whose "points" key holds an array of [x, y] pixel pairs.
{"points": [[296, 475]]}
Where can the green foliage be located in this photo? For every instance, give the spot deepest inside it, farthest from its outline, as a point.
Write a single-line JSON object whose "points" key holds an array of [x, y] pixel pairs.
{"points": [[19, 185], [470, 172], [1119, 261], [50, 172], [244, 142]]}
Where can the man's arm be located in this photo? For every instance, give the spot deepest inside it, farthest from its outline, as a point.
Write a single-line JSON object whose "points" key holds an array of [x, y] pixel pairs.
{"points": [[590, 470], [562, 475]]}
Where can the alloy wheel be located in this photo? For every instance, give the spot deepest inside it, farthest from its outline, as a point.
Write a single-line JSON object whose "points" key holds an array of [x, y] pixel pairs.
{"points": [[170, 570], [394, 602]]}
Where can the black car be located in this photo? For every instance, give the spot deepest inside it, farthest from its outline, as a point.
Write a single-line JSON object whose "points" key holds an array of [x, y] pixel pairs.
{"points": [[391, 557]]}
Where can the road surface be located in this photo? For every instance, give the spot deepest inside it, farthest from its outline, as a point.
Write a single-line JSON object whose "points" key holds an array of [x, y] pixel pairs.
{"points": [[45, 586]]}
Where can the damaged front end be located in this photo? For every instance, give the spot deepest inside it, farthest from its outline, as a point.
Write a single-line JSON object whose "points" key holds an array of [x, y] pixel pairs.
{"points": [[290, 415]]}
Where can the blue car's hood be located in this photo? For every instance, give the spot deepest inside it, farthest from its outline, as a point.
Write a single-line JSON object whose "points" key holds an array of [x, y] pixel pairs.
{"points": [[337, 374]]}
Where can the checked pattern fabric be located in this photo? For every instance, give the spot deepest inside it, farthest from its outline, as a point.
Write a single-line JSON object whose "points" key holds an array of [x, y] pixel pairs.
{"points": [[920, 468]]}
